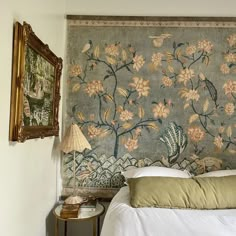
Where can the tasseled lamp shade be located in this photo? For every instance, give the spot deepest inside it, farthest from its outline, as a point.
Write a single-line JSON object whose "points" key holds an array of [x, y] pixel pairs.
{"points": [[74, 140]]}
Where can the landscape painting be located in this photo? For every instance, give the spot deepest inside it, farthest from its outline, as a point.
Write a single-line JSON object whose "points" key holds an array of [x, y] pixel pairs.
{"points": [[35, 92]]}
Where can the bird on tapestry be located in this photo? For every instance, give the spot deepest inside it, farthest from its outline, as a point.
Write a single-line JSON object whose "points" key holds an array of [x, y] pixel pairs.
{"points": [[87, 46]]}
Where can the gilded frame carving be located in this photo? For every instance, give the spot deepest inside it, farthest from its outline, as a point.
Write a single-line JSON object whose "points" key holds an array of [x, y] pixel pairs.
{"points": [[35, 92]]}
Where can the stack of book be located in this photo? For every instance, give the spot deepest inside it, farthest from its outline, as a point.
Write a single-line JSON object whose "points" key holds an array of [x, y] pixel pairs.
{"points": [[90, 205], [69, 211]]}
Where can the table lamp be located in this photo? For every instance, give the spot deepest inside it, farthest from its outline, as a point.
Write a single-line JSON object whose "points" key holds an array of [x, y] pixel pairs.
{"points": [[73, 141]]}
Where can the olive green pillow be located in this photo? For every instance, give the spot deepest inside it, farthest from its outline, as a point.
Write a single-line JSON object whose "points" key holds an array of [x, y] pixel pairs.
{"points": [[194, 193]]}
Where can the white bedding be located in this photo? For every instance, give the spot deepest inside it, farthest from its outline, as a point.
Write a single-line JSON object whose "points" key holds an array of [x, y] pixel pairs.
{"points": [[123, 220]]}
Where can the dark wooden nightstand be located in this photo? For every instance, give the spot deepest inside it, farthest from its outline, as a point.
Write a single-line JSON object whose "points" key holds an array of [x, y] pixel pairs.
{"points": [[82, 215]]}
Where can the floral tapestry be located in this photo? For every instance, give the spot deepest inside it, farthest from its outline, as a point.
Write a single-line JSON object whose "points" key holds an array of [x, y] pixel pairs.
{"points": [[150, 93]]}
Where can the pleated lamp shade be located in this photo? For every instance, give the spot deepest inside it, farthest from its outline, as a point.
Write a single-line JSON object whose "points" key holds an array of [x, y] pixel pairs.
{"points": [[74, 140]]}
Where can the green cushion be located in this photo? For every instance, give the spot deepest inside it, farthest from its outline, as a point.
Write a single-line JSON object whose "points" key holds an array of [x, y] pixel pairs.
{"points": [[194, 193]]}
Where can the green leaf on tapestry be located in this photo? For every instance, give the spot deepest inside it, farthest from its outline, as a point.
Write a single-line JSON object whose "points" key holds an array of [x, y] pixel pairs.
{"points": [[212, 121], [174, 44], [205, 122], [180, 44], [227, 145], [231, 65], [212, 90], [106, 77], [73, 109]]}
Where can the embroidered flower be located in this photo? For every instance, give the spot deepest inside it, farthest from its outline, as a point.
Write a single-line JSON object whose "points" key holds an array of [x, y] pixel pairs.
{"points": [[138, 131], [160, 110], [190, 50], [156, 58], [141, 86], [131, 144], [224, 69], [112, 50], [126, 115], [229, 109], [93, 131], [196, 134], [138, 62], [192, 95], [221, 129], [230, 57], [205, 45], [167, 82], [94, 87], [230, 87], [75, 70], [232, 40], [185, 75]]}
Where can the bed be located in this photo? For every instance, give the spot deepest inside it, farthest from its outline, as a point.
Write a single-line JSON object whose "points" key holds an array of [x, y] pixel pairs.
{"points": [[123, 220]]}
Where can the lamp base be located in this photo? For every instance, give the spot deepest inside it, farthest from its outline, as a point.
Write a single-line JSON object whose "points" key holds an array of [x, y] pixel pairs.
{"points": [[74, 199]]}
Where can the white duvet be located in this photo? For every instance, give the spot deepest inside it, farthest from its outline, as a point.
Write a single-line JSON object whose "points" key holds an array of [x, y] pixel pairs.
{"points": [[123, 220]]}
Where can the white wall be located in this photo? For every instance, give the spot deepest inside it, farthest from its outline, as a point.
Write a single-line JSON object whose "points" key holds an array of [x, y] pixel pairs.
{"points": [[28, 171], [152, 7]]}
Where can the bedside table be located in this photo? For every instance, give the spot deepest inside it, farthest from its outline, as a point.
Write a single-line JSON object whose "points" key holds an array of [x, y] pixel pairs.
{"points": [[84, 215]]}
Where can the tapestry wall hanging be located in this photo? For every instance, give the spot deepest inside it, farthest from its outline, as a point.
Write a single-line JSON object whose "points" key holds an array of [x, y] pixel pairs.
{"points": [[150, 91], [35, 92]]}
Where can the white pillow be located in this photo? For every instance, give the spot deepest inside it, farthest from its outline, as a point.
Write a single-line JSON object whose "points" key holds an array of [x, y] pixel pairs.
{"points": [[155, 171], [218, 173]]}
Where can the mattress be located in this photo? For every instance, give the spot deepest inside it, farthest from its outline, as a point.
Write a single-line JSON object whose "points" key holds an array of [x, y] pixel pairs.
{"points": [[123, 220]]}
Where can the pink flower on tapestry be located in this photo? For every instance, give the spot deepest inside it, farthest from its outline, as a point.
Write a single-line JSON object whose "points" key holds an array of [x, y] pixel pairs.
{"points": [[229, 109], [185, 75], [160, 110], [221, 129], [75, 70], [218, 141], [224, 68], [94, 87], [156, 58], [141, 86], [131, 144], [192, 95], [167, 82], [138, 62], [93, 131], [232, 40], [138, 131], [112, 50], [126, 115], [230, 87], [190, 50], [205, 45], [196, 134], [230, 57]]}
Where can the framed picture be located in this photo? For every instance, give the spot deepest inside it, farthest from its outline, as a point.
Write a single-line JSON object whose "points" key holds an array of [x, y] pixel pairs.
{"points": [[35, 92], [149, 91]]}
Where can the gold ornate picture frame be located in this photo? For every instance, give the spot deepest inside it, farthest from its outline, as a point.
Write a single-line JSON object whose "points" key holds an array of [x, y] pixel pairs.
{"points": [[35, 92]]}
